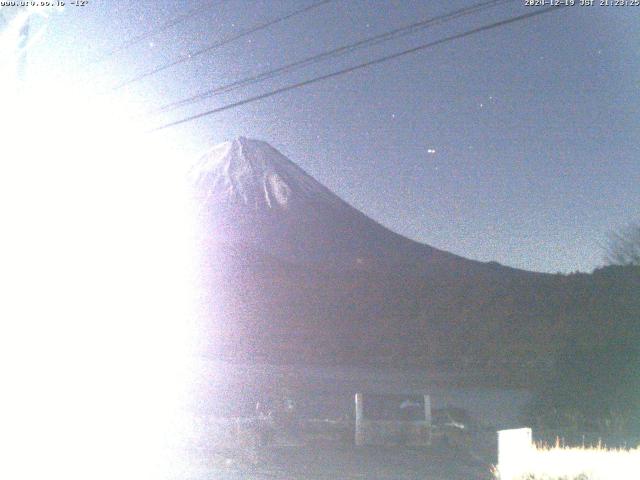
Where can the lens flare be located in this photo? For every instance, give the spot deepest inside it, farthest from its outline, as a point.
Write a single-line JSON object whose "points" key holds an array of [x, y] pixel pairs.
{"points": [[97, 256]]}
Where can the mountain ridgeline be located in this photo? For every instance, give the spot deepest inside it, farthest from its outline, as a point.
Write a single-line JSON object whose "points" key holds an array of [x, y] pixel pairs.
{"points": [[292, 273]]}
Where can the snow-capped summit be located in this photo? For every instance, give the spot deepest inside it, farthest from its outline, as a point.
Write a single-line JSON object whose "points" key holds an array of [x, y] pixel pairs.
{"points": [[254, 174]]}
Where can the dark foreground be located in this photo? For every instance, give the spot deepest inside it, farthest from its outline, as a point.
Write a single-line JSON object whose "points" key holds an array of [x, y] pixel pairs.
{"points": [[325, 462]]}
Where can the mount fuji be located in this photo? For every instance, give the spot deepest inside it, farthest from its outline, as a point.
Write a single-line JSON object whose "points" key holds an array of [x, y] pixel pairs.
{"points": [[292, 273], [250, 194]]}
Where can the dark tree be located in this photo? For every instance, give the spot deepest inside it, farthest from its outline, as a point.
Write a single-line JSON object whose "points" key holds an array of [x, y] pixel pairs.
{"points": [[593, 389], [623, 247]]}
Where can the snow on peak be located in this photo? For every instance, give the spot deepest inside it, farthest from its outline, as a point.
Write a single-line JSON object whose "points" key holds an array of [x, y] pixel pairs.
{"points": [[253, 173]]}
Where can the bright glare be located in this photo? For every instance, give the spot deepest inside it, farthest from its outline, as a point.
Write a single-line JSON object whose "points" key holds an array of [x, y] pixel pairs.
{"points": [[96, 254]]}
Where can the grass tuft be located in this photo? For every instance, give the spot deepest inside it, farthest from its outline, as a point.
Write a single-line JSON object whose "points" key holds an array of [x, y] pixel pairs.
{"points": [[544, 462]]}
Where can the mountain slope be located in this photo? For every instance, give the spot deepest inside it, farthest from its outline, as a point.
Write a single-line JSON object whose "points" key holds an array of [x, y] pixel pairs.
{"points": [[292, 273], [249, 193]]}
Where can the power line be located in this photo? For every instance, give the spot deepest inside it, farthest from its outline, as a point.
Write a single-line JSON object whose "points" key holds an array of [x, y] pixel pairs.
{"points": [[155, 31], [345, 49], [358, 67], [220, 43]]}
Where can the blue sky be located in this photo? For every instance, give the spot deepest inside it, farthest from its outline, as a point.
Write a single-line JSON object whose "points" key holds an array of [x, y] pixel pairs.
{"points": [[518, 145]]}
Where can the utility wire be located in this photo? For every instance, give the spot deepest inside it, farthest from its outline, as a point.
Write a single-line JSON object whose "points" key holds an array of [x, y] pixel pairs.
{"points": [[220, 43], [343, 50], [358, 67], [155, 31]]}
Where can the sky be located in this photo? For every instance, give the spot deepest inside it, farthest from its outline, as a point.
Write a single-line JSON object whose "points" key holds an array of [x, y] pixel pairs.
{"points": [[517, 145]]}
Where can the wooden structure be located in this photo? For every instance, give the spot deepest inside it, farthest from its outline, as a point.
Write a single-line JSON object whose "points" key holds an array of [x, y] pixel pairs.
{"points": [[393, 419]]}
